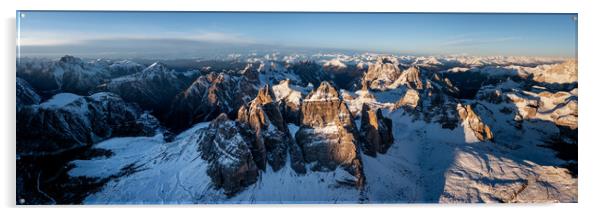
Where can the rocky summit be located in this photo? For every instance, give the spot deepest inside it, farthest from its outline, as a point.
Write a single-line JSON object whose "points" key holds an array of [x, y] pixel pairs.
{"points": [[273, 141], [231, 164], [327, 134]]}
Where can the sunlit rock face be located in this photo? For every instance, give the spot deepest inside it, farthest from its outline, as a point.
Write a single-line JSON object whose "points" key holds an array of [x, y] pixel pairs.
{"points": [[376, 131], [473, 123], [565, 72], [67, 121], [211, 95], [411, 99], [263, 119], [231, 164], [559, 107], [327, 134], [410, 78], [382, 73], [289, 98]]}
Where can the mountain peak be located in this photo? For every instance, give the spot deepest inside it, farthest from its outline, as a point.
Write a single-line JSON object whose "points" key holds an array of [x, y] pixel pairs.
{"points": [[386, 60], [382, 73], [249, 73], [155, 69], [325, 92], [265, 95], [335, 64], [70, 60], [156, 66]]}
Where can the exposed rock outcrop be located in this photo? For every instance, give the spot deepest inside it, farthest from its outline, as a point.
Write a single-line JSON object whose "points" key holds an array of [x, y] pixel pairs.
{"points": [[473, 123], [559, 107], [565, 72], [289, 97], [490, 94], [272, 137], [152, 88], [68, 121], [382, 73], [79, 77], [410, 100], [250, 73], [125, 67], [410, 78], [465, 85], [356, 100], [327, 135], [40, 74], [68, 74], [26, 95], [231, 164], [211, 95], [309, 72], [376, 131]]}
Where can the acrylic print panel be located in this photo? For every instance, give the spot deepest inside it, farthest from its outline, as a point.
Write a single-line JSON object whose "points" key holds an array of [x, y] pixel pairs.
{"points": [[274, 107]]}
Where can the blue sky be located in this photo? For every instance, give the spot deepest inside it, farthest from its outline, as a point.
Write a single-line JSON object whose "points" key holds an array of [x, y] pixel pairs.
{"points": [[398, 33]]}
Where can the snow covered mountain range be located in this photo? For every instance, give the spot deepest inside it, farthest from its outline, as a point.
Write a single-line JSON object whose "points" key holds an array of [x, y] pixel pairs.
{"points": [[322, 128]]}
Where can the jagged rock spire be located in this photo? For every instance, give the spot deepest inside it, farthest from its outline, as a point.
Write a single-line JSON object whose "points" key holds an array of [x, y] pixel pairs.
{"points": [[474, 123], [376, 131], [272, 139]]}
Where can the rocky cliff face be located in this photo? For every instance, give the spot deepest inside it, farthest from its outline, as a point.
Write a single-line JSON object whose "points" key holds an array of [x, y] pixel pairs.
{"points": [[410, 78], [327, 134], [426, 99], [238, 150], [473, 123], [68, 74], [211, 95], [124, 68], [39, 74], [376, 131], [382, 73], [26, 95], [411, 100], [79, 77], [68, 121], [289, 97], [231, 164], [152, 88], [309, 72], [272, 138]]}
